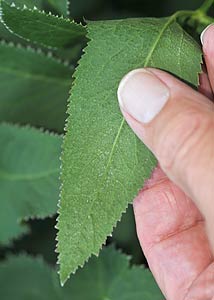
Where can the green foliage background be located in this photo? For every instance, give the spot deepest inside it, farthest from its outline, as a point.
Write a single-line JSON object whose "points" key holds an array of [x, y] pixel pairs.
{"points": [[124, 235], [48, 87]]}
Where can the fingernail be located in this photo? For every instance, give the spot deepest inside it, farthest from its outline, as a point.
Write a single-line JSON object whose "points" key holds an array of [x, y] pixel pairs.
{"points": [[203, 33], [142, 95]]}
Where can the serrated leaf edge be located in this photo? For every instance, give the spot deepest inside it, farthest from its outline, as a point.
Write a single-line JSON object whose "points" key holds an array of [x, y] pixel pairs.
{"points": [[23, 254], [68, 8], [50, 56], [42, 12], [75, 75], [84, 52]]}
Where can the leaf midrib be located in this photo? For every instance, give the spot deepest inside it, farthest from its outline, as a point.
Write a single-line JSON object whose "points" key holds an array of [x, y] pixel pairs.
{"points": [[166, 25], [27, 177], [63, 29], [35, 77]]}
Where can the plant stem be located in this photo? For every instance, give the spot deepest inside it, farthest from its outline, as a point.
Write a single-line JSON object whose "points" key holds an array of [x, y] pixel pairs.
{"points": [[198, 16], [206, 6], [195, 18], [202, 18]]}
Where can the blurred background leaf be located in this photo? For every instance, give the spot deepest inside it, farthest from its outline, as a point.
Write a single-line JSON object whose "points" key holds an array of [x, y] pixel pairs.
{"points": [[41, 28], [40, 240], [29, 178], [106, 277], [34, 88]]}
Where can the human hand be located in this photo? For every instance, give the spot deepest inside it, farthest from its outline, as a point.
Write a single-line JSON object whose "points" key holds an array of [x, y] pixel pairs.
{"points": [[176, 231]]}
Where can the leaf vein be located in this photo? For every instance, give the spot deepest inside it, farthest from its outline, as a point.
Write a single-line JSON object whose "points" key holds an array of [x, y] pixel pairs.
{"points": [[35, 77], [165, 26], [17, 177]]}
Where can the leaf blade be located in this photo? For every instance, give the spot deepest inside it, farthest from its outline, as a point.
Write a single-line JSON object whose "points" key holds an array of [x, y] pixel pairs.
{"points": [[29, 177], [107, 277], [38, 27], [105, 176], [34, 88]]}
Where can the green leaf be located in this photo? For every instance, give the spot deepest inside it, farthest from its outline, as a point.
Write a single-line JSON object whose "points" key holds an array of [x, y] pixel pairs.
{"points": [[27, 278], [29, 177], [41, 28], [5, 33], [107, 277], [34, 88], [103, 163], [59, 6], [110, 277]]}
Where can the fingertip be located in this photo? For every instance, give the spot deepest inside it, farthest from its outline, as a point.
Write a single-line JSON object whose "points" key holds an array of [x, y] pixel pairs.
{"points": [[142, 95], [207, 34], [207, 40]]}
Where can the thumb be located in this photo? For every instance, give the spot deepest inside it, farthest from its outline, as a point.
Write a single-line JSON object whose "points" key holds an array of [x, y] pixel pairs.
{"points": [[177, 124]]}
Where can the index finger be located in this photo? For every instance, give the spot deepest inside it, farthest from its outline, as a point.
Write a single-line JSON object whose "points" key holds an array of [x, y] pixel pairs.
{"points": [[172, 234]]}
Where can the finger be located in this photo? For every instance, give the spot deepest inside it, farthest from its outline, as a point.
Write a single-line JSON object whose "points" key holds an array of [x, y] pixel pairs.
{"points": [[177, 124], [172, 235], [207, 39], [205, 86]]}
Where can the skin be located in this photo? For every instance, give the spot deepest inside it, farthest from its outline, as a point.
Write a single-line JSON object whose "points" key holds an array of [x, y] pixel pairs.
{"points": [[174, 212]]}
